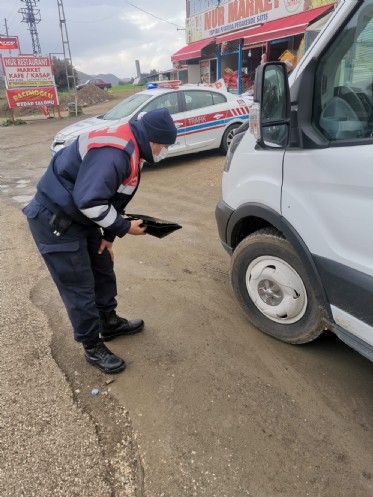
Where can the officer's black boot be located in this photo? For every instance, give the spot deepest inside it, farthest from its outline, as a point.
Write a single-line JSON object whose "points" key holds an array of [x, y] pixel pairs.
{"points": [[97, 354], [113, 326]]}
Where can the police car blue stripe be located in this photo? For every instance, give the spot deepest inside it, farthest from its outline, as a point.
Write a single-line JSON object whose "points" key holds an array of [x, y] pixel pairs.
{"points": [[209, 125]]}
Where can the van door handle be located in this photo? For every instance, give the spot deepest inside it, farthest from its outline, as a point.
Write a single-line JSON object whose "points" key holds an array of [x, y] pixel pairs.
{"points": [[218, 116]]}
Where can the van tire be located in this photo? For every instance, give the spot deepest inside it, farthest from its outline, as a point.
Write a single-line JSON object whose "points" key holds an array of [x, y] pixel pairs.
{"points": [[266, 269], [228, 137]]}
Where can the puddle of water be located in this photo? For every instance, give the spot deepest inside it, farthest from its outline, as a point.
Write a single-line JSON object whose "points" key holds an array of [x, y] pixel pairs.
{"points": [[23, 198]]}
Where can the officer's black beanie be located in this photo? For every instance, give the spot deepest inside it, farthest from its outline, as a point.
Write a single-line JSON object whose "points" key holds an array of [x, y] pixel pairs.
{"points": [[159, 126]]}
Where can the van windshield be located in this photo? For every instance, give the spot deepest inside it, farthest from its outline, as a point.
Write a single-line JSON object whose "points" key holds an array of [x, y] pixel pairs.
{"points": [[127, 106], [343, 99]]}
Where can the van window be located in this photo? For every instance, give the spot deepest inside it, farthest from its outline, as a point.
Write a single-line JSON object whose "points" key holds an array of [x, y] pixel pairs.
{"points": [[343, 107]]}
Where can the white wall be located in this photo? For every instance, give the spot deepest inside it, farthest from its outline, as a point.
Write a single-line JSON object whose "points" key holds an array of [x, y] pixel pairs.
{"points": [[194, 74]]}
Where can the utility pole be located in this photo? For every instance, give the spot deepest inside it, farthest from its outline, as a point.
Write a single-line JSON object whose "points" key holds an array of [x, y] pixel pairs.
{"points": [[7, 31], [70, 74], [32, 17]]}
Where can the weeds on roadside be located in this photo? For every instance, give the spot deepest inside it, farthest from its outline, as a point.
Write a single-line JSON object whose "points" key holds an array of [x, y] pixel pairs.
{"points": [[16, 122]]}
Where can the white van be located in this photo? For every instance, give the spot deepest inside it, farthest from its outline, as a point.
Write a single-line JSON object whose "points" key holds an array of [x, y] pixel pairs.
{"points": [[297, 191]]}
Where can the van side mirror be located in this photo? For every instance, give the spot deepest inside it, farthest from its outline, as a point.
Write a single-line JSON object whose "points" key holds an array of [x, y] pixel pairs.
{"points": [[270, 113]]}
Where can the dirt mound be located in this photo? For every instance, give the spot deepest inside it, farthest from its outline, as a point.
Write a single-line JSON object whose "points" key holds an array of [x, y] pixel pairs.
{"points": [[90, 95]]}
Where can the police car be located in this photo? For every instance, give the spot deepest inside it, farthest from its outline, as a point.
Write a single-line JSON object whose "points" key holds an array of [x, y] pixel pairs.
{"points": [[205, 117]]}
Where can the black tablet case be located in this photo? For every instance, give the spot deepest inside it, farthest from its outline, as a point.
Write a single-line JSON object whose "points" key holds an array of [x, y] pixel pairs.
{"points": [[154, 226]]}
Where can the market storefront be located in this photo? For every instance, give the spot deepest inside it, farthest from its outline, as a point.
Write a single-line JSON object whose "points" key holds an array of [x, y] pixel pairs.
{"points": [[198, 59], [218, 49]]}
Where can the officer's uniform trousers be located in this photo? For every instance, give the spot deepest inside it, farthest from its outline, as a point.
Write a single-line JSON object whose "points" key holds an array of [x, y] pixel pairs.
{"points": [[85, 279]]}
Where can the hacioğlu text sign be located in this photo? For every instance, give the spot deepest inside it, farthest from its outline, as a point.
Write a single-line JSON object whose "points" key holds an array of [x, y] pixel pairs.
{"points": [[32, 97]]}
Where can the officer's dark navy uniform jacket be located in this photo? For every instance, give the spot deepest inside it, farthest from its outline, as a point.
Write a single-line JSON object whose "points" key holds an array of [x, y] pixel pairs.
{"points": [[85, 188]]}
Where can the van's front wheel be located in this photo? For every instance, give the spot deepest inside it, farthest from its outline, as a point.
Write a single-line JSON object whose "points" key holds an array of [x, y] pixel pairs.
{"points": [[274, 289]]}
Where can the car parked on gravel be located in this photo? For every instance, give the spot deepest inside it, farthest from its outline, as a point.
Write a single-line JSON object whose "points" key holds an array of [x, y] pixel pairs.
{"points": [[100, 83], [205, 117]]}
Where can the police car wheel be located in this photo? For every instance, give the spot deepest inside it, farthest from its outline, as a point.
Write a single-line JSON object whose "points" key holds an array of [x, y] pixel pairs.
{"points": [[228, 137], [274, 289]]}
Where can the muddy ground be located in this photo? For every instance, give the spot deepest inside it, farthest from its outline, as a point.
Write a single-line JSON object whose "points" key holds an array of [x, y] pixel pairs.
{"points": [[208, 405]]}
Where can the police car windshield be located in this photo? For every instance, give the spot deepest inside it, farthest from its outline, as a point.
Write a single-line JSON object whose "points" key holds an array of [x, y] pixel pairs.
{"points": [[127, 107]]}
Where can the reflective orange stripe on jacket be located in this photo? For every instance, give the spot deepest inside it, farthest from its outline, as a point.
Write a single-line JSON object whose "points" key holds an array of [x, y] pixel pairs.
{"points": [[120, 137]]}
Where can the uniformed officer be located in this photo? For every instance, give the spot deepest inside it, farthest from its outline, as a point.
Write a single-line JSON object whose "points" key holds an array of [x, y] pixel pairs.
{"points": [[76, 215]]}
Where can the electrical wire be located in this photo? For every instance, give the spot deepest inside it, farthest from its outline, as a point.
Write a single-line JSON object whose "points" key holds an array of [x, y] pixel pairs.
{"points": [[96, 20], [116, 13], [153, 15]]}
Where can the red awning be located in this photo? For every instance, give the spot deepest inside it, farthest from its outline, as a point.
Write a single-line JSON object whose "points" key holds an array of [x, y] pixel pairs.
{"points": [[280, 28], [191, 51]]}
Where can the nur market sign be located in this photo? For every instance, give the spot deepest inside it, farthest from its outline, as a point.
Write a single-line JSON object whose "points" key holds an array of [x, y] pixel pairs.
{"points": [[231, 15]]}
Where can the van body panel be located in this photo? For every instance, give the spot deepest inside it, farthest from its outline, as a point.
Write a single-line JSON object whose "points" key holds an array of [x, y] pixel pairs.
{"points": [[347, 289], [333, 189], [262, 179], [355, 326]]}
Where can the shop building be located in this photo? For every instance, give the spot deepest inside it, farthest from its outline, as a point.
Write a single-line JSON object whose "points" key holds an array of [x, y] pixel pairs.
{"points": [[230, 38]]}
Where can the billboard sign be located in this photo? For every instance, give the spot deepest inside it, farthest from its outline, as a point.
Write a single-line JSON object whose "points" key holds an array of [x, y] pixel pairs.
{"points": [[205, 21], [32, 97], [27, 71], [9, 43]]}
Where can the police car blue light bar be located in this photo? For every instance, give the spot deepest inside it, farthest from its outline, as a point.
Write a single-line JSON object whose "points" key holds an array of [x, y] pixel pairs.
{"points": [[173, 83]]}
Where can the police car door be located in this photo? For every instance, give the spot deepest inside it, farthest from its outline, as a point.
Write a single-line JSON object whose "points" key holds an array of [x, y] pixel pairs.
{"points": [[204, 122], [328, 185]]}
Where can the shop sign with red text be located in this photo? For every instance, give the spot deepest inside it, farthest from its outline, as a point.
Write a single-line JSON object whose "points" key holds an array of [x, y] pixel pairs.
{"points": [[210, 18], [9, 43], [27, 71], [32, 97]]}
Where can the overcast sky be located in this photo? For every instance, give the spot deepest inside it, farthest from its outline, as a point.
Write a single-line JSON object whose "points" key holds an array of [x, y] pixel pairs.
{"points": [[105, 37]]}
